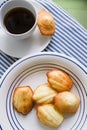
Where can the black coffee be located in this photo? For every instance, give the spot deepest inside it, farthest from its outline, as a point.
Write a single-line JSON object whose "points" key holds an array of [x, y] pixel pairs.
{"points": [[19, 20]]}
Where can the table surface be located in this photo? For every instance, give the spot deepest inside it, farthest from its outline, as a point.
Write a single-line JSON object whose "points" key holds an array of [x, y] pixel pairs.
{"points": [[76, 8]]}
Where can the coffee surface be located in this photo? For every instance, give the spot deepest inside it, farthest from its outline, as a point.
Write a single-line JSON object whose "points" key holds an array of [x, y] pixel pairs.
{"points": [[19, 20]]}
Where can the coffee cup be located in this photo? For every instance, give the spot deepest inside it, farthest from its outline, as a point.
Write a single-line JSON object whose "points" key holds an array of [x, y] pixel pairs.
{"points": [[18, 18]]}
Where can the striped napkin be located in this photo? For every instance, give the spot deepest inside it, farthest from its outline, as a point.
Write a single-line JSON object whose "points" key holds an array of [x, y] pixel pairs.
{"points": [[70, 37]]}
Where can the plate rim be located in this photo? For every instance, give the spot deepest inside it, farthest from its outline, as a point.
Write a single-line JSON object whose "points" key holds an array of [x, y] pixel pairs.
{"points": [[38, 55], [75, 61]]}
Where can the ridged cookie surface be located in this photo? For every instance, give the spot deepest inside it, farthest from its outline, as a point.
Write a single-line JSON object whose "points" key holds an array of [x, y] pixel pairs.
{"points": [[49, 116], [46, 23], [44, 94], [66, 102], [59, 80], [23, 99]]}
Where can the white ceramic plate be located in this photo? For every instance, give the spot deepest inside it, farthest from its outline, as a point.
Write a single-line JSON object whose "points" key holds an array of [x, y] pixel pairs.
{"points": [[31, 70], [20, 48]]}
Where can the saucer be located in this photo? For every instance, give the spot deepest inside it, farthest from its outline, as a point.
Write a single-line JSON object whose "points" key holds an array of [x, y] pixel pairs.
{"points": [[20, 48]]}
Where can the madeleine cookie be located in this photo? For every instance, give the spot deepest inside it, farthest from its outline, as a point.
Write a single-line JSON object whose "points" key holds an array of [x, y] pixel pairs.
{"points": [[49, 116], [44, 94], [23, 99], [59, 80], [46, 23], [66, 102]]}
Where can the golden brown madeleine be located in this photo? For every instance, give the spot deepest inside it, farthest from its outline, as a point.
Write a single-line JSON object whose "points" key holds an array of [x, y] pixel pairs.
{"points": [[59, 80], [44, 94], [46, 23], [23, 99], [66, 102], [49, 116]]}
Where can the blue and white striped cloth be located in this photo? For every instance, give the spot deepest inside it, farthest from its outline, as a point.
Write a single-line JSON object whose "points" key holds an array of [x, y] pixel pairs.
{"points": [[70, 37]]}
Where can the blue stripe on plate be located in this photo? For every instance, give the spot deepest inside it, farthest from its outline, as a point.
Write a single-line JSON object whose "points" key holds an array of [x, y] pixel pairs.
{"points": [[70, 37], [23, 75]]}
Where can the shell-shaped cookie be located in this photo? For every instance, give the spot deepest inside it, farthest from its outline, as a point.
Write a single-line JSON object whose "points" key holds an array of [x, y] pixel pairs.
{"points": [[49, 116], [44, 94], [46, 23], [66, 102], [23, 99], [59, 80]]}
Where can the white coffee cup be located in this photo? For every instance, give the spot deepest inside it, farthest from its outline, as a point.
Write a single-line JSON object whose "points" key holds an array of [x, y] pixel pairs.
{"points": [[11, 4]]}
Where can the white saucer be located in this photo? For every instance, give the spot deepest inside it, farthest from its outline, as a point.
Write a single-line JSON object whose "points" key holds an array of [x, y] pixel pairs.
{"points": [[21, 48]]}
